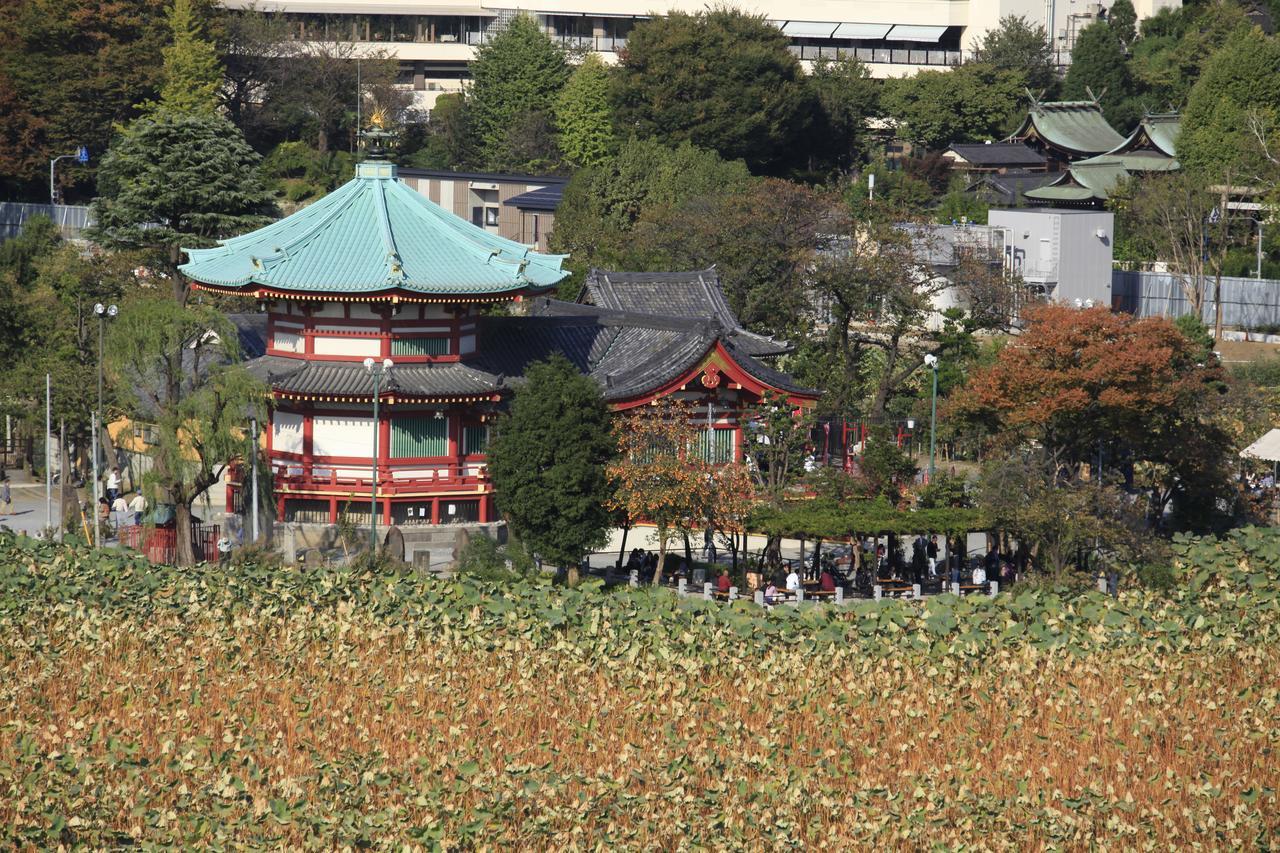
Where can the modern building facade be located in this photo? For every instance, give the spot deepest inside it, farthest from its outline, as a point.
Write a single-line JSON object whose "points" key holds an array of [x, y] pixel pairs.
{"points": [[518, 207], [435, 42]]}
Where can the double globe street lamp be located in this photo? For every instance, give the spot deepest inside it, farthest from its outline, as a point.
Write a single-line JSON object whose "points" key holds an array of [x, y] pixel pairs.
{"points": [[379, 372]]}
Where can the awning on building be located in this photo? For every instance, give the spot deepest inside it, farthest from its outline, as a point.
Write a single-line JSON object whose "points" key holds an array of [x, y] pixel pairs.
{"points": [[863, 31], [1267, 447], [809, 29], [912, 32]]}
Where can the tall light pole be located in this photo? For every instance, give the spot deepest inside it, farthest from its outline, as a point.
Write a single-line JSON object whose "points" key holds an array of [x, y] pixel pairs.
{"points": [[931, 362], [378, 372], [103, 312], [254, 457], [81, 156]]}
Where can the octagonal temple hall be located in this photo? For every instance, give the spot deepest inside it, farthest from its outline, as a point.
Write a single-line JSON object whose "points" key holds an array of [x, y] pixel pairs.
{"points": [[376, 270]]}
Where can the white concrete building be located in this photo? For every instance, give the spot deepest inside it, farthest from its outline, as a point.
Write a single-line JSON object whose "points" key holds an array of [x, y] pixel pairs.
{"points": [[435, 42]]}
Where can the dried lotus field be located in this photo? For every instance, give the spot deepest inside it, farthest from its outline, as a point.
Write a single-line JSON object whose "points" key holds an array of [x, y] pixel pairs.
{"points": [[261, 708]]}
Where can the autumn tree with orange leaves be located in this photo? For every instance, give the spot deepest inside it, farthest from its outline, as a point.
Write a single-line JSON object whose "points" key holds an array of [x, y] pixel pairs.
{"points": [[660, 477], [1083, 382]]}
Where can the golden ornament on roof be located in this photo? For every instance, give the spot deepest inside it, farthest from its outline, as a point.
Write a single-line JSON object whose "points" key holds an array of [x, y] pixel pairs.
{"points": [[378, 119]]}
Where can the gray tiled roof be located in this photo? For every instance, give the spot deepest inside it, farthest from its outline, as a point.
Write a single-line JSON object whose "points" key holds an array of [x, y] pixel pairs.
{"points": [[693, 295], [626, 352], [999, 154], [350, 379]]}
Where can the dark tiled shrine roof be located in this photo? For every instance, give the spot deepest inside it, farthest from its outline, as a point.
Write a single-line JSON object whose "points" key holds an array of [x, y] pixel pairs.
{"points": [[999, 154], [695, 294], [350, 379]]}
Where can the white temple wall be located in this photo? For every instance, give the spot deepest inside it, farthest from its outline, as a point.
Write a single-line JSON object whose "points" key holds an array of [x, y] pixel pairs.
{"points": [[342, 435]]}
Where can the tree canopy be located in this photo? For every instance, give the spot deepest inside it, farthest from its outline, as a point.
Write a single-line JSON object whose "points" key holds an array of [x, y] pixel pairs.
{"points": [[1099, 65], [547, 460], [175, 180], [1018, 45], [192, 72], [720, 79], [583, 114], [1237, 94], [972, 103], [518, 72]]}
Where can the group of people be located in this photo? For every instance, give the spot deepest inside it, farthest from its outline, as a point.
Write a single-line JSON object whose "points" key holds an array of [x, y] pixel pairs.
{"points": [[115, 509], [792, 583], [923, 564]]}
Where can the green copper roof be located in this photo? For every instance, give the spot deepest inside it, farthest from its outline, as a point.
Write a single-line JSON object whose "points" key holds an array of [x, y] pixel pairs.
{"points": [[1155, 135], [374, 234], [1074, 126]]}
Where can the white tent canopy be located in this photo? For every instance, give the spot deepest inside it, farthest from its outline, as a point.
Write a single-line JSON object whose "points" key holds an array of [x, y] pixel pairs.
{"points": [[1267, 447]]}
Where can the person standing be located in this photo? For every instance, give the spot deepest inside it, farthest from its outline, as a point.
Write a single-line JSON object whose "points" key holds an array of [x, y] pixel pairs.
{"points": [[224, 550], [931, 552], [6, 497], [138, 506], [113, 485]]}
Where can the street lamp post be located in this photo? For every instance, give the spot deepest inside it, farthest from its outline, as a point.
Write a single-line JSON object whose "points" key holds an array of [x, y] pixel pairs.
{"points": [[378, 372], [254, 457], [104, 312], [81, 156], [931, 362]]}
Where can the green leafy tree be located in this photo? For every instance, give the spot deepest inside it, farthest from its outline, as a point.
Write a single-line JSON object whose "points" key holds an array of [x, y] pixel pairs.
{"points": [[177, 364], [1175, 45], [174, 180], [1018, 45], [548, 461], [719, 79], [972, 103], [1237, 93], [192, 72], [1124, 21], [602, 203], [583, 114], [846, 97], [1099, 65], [519, 71], [447, 140], [70, 72]]}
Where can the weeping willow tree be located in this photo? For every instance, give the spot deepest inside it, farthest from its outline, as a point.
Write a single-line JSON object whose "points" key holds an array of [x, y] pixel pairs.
{"points": [[179, 366]]}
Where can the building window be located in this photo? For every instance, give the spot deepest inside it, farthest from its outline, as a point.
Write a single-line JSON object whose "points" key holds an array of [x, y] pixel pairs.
{"points": [[420, 346], [533, 227], [716, 445], [491, 216], [475, 439], [421, 435]]}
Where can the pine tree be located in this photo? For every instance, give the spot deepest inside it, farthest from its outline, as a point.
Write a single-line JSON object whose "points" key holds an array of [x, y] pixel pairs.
{"points": [[192, 73], [583, 115], [519, 71]]}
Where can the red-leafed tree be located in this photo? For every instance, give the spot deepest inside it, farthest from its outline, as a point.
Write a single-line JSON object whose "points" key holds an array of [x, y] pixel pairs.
{"points": [[660, 477], [1084, 382]]}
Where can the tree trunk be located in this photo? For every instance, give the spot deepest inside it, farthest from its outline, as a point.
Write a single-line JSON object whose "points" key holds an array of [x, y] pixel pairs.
{"points": [[662, 557], [185, 552], [688, 552], [773, 552], [622, 551], [322, 139], [572, 575]]}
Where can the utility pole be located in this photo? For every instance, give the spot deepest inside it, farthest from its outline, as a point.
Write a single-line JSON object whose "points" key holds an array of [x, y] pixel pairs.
{"points": [[931, 361], [81, 156], [48, 452]]}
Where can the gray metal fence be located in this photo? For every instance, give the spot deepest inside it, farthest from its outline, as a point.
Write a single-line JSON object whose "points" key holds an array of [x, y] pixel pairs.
{"points": [[1247, 303], [71, 219]]}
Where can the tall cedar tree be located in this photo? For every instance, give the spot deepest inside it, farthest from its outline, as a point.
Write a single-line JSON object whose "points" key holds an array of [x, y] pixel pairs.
{"points": [[517, 72], [174, 180], [185, 382], [847, 98], [720, 79], [658, 476], [70, 72], [192, 72], [548, 459], [583, 114]]}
